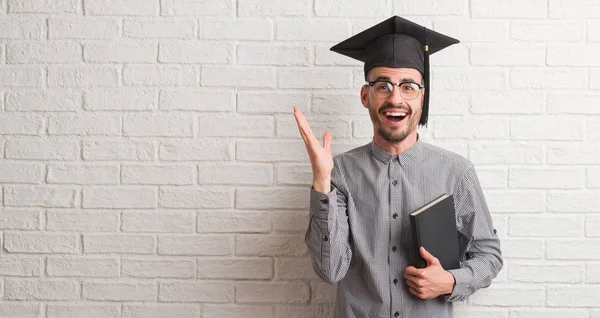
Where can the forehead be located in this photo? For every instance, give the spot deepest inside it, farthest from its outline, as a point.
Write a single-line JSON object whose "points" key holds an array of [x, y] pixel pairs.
{"points": [[395, 74]]}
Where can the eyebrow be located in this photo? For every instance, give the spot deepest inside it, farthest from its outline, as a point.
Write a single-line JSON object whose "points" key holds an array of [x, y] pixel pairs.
{"points": [[387, 78]]}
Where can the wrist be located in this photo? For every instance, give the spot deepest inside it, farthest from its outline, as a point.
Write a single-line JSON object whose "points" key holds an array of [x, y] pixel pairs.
{"points": [[451, 283], [322, 185]]}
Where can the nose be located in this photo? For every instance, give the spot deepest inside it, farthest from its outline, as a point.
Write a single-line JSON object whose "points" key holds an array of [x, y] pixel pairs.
{"points": [[395, 97]]}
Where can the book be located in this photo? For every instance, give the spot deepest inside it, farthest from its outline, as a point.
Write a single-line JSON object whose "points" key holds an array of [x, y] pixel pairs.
{"points": [[433, 226]]}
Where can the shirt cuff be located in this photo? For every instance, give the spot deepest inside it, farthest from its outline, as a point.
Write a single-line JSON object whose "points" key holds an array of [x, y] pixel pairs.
{"points": [[321, 203], [461, 285]]}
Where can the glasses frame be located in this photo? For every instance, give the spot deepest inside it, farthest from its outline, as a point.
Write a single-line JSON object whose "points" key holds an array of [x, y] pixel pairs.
{"points": [[372, 83]]}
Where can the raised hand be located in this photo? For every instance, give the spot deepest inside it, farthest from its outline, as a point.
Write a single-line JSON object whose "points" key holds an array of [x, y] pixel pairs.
{"points": [[321, 158]]}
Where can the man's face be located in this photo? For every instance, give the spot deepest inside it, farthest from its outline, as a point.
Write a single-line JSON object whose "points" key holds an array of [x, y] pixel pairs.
{"points": [[393, 129]]}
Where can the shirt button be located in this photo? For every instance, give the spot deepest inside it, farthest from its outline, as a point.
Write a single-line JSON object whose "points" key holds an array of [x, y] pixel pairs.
{"points": [[325, 238], [325, 201], [394, 182], [394, 248], [395, 281], [396, 314], [395, 216]]}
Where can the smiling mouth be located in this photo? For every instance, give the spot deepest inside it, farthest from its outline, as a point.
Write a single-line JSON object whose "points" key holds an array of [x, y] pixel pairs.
{"points": [[395, 116]]}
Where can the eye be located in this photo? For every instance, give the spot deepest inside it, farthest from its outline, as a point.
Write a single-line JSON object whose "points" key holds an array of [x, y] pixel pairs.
{"points": [[409, 87], [384, 87]]}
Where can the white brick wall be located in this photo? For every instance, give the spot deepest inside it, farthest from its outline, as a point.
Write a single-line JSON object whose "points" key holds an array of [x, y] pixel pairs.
{"points": [[150, 165]]}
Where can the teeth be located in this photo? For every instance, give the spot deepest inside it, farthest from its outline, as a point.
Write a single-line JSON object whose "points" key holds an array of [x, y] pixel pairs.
{"points": [[395, 114]]}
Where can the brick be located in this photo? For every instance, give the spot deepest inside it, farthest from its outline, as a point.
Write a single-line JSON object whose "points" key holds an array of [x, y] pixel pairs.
{"points": [[575, 296], [203, 101], [20, 309], [474, 312], [272, 198], [546, 178], [193, 198], [338, 127], [206, 149], [593, 129], [156, 268], [195, 52], [212, 125], [246, 29], [21, 28], [99, 311], [198, 8], [82, 221], [573, 55], [83, 76], [593, 178], [162, 29], [534, 9], [518, 201], [573, 201], [84, 124], [290, 221], [158, 125], [348, 8], [515, 102], [160, 310], [578, 9], [295, 268], [573, 153], [236, 268], [82, 267], [270, 245], [547, 31], [118, 149], [20, 76], [42, 148], [456, 79], [593, 31], [36, 289], [32, 242], [129, 99], [492, 178], [323, 293], [33, 6], [303, 311], [203, 292], [159, 75], [211, 245], [594, 79], [284, 55], [510, 296], [318, 78], [122, 7], [20, 173], [324, 56], [344, 104], [251, 8], [547, 313], [294, 174], [83, 28], [120, 52], [505, 153], [240, 77], [19, 219], [508, 55], [164, 221], [474, 31], [545, 273], [119, 291], [55, 100], [271, 102], [160, 175], [311, 30], [429, 7], [457, 127], [40, 196], [233, 311], [592, 225], [573, 249], [274, 292], [592, 273], [454, 103], [46, 52], [119, 197], [21, 266], [233, 222], [235, 174], [549, 78], [545, 226], [120, 244]]}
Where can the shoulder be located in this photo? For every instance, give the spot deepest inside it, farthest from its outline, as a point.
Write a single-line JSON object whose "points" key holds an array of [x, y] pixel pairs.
{"points": [[353, 154], [446, 158]]}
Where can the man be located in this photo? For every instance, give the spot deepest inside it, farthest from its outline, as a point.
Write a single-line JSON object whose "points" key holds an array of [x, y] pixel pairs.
{"points": [[359, 232]]}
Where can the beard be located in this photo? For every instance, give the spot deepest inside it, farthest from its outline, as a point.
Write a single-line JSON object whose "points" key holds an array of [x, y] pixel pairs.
{"points": [[394, 134]]}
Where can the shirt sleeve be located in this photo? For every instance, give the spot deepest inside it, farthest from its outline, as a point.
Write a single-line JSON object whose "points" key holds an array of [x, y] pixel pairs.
{"points": [[327, 236], [482, 260]]}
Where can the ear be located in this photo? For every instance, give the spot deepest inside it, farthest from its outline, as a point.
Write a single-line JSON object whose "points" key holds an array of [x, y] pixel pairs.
{"points": [[364, 95]]}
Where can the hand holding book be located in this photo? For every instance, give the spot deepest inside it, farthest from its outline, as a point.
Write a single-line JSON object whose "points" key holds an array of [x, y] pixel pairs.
{"points": [[431, 281]]}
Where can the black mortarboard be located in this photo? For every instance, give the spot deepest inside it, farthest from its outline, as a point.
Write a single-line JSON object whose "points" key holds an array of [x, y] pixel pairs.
{"points": [[397, 43]]}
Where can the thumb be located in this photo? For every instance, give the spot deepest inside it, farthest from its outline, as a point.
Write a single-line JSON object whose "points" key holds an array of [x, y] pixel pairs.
{"points": [[327, 141], [430, 259]]}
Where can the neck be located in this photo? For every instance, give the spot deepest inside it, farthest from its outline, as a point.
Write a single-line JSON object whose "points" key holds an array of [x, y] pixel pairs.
{"points": [[398, 147]]}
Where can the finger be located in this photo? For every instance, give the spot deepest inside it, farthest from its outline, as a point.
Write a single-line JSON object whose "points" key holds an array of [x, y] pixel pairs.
{"points": [[412, 271], [430, 259], [416, 293], [303, 123], [327, 141]]}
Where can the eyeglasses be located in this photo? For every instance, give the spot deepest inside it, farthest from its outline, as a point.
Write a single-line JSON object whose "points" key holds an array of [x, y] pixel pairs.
{"points": [[384, 89]]}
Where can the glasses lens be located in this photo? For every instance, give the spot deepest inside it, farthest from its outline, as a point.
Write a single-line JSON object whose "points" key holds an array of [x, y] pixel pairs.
{"points": [[409, 90], [383, 89]]}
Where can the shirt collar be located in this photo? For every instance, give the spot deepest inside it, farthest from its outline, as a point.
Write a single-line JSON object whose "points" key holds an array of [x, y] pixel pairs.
{"points": [[405, 157]]}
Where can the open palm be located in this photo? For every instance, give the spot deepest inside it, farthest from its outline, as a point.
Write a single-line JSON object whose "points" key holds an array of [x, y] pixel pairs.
{"points": [[321, 158]]}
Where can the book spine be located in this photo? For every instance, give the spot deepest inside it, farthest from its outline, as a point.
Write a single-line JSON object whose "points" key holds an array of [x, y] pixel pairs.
{"points": [[418, 261]]}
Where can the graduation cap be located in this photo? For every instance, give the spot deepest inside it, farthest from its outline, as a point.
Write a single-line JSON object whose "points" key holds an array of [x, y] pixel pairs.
{"points": [[397, 43]]}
